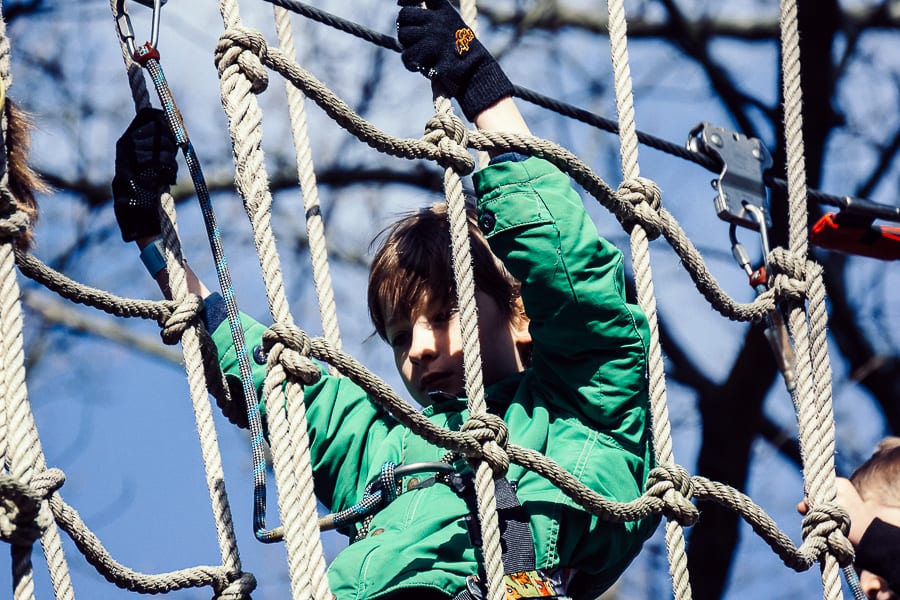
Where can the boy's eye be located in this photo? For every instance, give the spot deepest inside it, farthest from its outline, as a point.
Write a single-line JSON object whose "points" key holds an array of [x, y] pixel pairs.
{"points": [[444, 316], [400, 339]]}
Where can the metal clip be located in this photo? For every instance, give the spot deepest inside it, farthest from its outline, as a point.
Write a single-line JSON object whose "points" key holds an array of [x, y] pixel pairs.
{"points": [[123, 23], [740, 184], [775, 329]]}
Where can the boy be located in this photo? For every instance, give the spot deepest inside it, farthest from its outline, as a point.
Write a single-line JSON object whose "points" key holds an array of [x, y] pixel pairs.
{"points": [[872, 499], [568, 377]]}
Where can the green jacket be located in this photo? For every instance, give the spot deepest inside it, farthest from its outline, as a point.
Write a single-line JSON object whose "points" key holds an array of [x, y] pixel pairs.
{"points": [[582, 402]]}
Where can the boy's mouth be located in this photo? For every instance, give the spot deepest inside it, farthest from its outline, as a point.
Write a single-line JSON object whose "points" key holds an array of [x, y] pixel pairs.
{"points": [[434, 381]]}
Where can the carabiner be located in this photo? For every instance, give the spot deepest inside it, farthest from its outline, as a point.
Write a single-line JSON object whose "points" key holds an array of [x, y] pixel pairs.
{"points": [[123, 23], [737, 249]]}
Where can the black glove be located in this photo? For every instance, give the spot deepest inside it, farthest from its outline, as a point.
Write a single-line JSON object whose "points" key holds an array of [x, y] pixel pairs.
{"points": [[145, 168], [437, 42]]}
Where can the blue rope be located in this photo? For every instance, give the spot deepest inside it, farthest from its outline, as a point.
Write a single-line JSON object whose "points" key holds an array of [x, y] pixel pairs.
{"points": [[376, 496], [853, 581], [149, 58]]}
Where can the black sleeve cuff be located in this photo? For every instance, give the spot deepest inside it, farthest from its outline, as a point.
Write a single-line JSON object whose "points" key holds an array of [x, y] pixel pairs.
{"points": [[487, 86]]}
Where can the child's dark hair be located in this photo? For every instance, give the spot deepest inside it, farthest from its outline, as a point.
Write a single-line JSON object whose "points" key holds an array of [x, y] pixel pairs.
{"points": [[24, 182], [414, 266], [878, 478]]}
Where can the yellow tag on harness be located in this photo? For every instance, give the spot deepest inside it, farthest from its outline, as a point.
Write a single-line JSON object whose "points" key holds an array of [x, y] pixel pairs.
{"points": [[529, 584]]}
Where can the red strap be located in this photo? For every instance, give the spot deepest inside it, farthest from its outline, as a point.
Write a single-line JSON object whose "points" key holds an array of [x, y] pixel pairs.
{"points": [[874, 241]]}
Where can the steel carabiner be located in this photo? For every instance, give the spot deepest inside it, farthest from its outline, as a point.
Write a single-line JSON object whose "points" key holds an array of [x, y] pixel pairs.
{"points": [[123, 23]]}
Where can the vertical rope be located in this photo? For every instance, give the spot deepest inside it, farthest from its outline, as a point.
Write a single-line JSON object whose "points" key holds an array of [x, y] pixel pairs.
{"points": [[293, 466], [23, 455], [472, 366], [662, 437], [816, 419], [314, 223], [465, 282], [209, 445]]}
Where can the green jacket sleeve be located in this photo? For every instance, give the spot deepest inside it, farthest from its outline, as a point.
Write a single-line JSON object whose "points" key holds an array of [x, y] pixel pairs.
{"points": [[343, 424], [588, 342]]}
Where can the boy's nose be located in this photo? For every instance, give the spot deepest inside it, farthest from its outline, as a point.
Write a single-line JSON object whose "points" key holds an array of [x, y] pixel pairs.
{"points": [[423, 345]]}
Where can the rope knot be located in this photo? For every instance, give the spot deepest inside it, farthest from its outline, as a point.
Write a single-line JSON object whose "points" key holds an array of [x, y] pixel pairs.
{"points": [[48, 482], [24, 516], [672, 484], [449, 135], [246, 49], [789, 275], [186, 314], [490, 432], [289, 346], [14, 225], [645, 198], [237, 589], [825, 527]]}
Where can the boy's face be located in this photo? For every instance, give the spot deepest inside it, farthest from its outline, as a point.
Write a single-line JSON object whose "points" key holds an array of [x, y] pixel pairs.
{"points": [[428, 345]]}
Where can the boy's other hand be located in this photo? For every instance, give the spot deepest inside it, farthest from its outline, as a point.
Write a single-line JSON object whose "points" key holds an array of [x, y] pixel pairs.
{"points": [[145, 168], [437, 43]]}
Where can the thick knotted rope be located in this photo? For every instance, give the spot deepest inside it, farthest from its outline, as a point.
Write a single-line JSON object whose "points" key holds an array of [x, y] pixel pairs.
{"points": [[825, 528], [186, 314], [449, 134], [23, 514], [239, 589], [14, 225], [289, 346], [492, 434], [645, 197], [790, 275], [672, 484], [246, 49]]}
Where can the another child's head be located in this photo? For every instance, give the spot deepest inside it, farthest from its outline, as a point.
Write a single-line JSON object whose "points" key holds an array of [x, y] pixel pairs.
{"points": [[412, 300], [878, 479], [878, 482]]}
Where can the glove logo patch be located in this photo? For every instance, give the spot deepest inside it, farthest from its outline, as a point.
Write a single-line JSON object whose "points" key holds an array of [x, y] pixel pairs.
{"points": [[464, 37]]}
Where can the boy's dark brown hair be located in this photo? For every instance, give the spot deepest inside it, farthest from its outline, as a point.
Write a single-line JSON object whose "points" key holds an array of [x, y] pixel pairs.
{"points": [[24, 182], [878, 478], [414, 266]]}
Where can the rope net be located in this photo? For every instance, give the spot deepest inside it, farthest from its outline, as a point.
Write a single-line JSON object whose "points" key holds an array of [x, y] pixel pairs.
{"points": [[33, 509]]}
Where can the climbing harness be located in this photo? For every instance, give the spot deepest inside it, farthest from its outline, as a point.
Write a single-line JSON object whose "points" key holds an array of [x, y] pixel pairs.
{"points": [[521, 578]]}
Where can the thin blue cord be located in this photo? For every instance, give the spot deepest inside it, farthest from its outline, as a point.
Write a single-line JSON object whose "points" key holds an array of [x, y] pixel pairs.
{"points": [[148, 56], [853, 581]]}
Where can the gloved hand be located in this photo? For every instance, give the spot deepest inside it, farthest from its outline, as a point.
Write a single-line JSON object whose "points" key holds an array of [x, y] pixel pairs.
{"points": [[145, 168], [437, 43]]}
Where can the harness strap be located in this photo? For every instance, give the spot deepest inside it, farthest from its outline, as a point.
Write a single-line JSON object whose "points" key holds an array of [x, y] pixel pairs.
{"points": [[520, 578]]}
